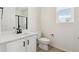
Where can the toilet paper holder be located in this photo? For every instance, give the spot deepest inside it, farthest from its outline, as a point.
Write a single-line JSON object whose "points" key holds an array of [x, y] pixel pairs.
{"points": [[52, 34]]}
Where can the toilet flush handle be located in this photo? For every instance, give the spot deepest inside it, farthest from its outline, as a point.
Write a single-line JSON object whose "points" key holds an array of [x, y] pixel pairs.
{"points": [[52, 34]]}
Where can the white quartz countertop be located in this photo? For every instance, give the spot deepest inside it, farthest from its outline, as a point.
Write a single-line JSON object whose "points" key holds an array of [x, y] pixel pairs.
{"points": [[9, 36]]}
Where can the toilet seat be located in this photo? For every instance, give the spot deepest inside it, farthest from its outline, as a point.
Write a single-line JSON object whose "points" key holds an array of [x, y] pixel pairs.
{"points": [[44, 40]]}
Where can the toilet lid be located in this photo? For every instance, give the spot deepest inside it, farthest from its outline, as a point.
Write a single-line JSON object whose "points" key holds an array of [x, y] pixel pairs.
{"points": [[44, 39]]}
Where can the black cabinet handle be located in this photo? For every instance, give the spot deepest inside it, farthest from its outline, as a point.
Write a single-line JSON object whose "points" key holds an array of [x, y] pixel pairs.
{"points": [[23, 43], [28, 42]]}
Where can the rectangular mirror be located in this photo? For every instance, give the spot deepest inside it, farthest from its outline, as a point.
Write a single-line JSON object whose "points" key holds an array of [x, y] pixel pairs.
{"points": [[21, 14], [13, 17]]}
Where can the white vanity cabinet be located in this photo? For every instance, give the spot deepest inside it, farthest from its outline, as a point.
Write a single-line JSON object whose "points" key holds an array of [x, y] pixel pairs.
{"points": [[2, 48], [26, 44]]}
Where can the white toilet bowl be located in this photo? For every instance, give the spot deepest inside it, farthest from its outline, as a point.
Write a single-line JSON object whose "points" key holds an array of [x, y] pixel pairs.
{"points": [[43, 43]]}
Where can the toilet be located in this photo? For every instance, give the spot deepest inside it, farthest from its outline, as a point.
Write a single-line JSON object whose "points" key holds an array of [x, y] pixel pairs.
{"points": [[43, 42]]}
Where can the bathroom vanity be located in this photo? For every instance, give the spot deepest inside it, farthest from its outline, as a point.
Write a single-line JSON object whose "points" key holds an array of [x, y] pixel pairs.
{"points": [[11, 42], [10, 20]]}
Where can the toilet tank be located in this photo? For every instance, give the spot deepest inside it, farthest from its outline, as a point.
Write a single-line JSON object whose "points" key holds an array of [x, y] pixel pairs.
{"points": [[39, 35]]}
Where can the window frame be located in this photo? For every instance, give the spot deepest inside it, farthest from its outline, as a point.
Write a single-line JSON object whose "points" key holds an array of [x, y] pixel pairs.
{"points": [[72, 16]]}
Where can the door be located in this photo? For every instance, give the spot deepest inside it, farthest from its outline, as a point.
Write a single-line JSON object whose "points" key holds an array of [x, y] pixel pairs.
{"points": [[16, 46], [31, 44]]}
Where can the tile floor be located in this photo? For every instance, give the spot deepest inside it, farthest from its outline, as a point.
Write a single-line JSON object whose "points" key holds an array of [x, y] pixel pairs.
{"points": [[51, 49]]}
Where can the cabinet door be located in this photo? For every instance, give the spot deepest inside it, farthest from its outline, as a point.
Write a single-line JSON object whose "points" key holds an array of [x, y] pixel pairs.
{"points": [[31, 44], [3, 48], [16, 46]]}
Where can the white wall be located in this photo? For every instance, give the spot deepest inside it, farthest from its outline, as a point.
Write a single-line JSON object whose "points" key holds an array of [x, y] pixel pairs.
{"points": [[8, 21], [0, 21], [34, 19], [23, 11], [65, 34]]}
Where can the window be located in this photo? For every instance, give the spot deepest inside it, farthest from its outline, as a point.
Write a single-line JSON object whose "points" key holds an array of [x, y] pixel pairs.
{"points": [[65, 14]]}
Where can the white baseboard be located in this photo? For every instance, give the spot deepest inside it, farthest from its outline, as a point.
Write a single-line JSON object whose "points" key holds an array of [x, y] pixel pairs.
{"points": [[60, 48]]}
